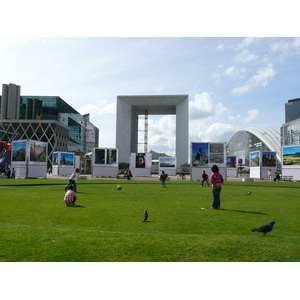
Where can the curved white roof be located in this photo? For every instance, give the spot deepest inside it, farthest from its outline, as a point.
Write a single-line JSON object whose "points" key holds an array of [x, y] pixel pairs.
{"points": [[270, 137]]}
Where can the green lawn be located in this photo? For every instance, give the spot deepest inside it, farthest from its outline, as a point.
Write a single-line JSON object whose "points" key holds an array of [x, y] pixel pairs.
{"points": [[106, 224]]}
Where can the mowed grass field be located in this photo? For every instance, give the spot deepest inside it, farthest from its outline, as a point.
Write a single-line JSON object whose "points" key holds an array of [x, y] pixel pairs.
{"points": [[106, 223]]}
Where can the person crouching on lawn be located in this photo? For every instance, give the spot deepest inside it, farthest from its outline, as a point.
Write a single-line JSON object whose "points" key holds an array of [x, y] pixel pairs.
{"points": [[70, 196]]}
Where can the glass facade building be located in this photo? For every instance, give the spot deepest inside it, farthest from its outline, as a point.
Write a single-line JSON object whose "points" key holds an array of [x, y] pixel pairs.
{"points": [[45, 118], [292, 110], [290, 131], [83, 135]]}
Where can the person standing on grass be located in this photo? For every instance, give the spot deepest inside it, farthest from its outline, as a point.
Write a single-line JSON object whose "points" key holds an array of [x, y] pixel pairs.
{"points": [[205, 178], [217, 181], [72, 179], [163, 178], [70, 196]]}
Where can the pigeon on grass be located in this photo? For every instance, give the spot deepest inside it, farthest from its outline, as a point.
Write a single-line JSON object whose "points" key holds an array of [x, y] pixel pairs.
{"points": [[249, 193], [264, 228], [145, 216]]}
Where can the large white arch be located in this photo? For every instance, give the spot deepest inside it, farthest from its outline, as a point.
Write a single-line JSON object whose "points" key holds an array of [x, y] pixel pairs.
{"points": [[130, 107]]}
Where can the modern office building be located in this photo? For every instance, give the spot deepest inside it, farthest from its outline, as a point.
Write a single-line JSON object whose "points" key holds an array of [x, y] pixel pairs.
{"points": [[290, 131], [253, 139], [45, 118]]}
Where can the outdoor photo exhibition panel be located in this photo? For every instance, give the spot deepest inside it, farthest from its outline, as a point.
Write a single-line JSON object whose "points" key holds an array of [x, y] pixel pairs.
{"points": [[291, 161], [63, 163], [105, 162], [140, 164], [204, 156], [167, 164], [231, 164], [29, 158], [261, 162]]}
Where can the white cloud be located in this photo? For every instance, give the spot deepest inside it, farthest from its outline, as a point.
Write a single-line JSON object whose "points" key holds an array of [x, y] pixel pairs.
{"points": [[250, 118], [246, 42], [245, 56], [220, 48], [101, 107], [285, 47], [201, 131], [232, 73], [242, 89], [203, 107], [161, 134], [263, 75], [261, 78]]}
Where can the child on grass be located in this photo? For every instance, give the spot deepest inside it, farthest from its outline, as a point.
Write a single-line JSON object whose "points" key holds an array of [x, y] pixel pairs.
{"points": [[70, 196], [163, 178], [217, 181]]}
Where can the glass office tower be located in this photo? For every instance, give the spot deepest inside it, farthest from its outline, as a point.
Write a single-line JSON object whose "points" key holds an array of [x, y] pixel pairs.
{"points": [[290, 131], [83, 135]]}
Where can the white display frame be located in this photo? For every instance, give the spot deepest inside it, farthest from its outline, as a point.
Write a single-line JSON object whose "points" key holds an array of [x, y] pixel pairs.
{"points": [[29, 168], [141, 171], [260, 171], [60, 169], [231, 171], [104, 169], [290, 170], [197, 171], [168, 170]]}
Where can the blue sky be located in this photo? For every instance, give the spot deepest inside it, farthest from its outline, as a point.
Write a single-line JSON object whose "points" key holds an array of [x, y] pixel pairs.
{"points": [[232, 83]]}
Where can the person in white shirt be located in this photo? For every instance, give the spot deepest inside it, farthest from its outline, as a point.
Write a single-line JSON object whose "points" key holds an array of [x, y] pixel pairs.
{"points": [[72, 179]]}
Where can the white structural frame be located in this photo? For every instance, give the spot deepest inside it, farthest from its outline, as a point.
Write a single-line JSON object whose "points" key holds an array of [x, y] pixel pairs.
{"points": [[130, 107]]}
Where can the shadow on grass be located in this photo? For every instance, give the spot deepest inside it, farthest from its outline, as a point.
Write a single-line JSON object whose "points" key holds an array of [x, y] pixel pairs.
{"points": [[244, 211], [78, 206]]}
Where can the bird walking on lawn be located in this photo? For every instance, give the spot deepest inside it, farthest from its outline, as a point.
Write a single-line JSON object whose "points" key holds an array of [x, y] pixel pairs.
{"points": [[249, 193], [264, 228], [145, 216]]}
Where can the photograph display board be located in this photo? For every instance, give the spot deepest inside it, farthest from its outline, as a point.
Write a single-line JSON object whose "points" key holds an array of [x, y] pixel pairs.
{"points": [[255, 166], [291, 161], [63, 163], [255, 159], [38, 152], [231, 164], [18, 151], [105, 162], [261, 162], [204, 156], [217, 153], [140, 164], [268, 159], [29, 158], [167, 164], [291, 156], [199, 154]]}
